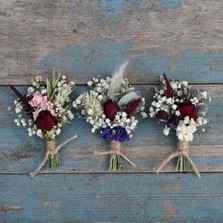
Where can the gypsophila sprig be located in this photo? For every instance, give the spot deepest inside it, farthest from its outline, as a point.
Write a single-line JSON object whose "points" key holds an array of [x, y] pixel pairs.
{"points": [[112, 107], [45, 109], [182, 109]]}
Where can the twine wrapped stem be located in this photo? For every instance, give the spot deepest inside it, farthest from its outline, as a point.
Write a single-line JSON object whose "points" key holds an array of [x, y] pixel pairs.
{"points": [[116, 148], [183, 151], [52, 150]]}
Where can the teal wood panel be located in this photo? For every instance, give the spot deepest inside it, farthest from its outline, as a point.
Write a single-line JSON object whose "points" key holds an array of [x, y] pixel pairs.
{"points": [[20, 153], [131, 198]]}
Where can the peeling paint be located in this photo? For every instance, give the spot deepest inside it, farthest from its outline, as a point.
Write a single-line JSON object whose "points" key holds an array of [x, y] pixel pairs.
{"points": [[169, 209], [52, 204], [173, 187], [113, 9], [11, 208], [98, 58], [170, 3]]}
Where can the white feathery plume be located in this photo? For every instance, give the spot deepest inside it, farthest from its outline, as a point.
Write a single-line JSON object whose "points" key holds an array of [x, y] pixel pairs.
{"points": [[116, 80]]}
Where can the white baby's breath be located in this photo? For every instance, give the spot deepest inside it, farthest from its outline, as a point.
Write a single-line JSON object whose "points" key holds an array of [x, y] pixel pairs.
{"points": [[90, 105], [57, 101], [183, 93]]}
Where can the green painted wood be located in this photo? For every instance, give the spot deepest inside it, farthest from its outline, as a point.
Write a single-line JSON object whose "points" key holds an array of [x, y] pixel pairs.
{"points": [[21, 153], [64, 198]]}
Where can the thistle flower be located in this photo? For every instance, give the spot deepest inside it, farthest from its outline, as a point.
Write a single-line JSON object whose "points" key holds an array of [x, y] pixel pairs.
{"points": [[111, 108], [133, 106]]}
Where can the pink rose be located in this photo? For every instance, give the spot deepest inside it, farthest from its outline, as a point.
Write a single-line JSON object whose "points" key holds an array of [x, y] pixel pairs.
{"points": [[38, 100]]}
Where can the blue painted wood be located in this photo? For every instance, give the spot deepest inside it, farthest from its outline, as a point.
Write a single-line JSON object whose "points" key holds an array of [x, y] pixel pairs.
{"points": [[197, 66], [171, 4], [111, 198], [21, 153], [91, 38], [85, 39]]}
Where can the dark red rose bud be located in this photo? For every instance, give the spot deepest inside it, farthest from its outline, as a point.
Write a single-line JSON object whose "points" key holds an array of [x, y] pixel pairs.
{"points": [[45, 121], [111, 108], [162, 115], [188, 109], [132, 107]]}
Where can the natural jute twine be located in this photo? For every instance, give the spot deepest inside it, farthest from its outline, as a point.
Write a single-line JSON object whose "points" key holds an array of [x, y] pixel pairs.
{"points": [[116, 148], [52, 149], [182, 150]]}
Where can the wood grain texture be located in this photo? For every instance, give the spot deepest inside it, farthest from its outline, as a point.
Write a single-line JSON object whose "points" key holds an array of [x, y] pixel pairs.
{"points": [[21, 153], [82, 39], [89, 38], [131, 198]]}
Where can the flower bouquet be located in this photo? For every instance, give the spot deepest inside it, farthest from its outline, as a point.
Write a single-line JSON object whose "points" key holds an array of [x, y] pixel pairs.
{"points": [[111, 107], [182, 108], [43, 111]]}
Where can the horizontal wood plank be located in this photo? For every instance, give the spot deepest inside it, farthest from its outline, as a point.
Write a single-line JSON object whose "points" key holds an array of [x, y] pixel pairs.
{"points": [[85, 39], [66, 198], [91, 38], [148, 147]]}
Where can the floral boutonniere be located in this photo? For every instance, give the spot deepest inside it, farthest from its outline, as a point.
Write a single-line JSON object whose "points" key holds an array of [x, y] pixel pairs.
{"points": [[182, 109], [111, 107], [43, 111]]}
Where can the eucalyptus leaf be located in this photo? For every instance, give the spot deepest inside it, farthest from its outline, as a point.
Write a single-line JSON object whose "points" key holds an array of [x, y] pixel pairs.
{"points": [[127, 98]]}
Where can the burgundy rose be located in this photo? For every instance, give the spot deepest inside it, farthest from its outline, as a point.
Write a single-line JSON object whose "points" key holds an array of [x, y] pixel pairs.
{"points": [[173, 121], [132, 106], [162, 115], [188, 109], [45, 121], [110, 109]]}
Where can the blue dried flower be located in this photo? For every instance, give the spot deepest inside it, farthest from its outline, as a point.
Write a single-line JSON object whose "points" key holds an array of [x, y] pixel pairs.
{"points": [[106, 133], [201, 108], [120, 134], [117, 133], [194, 92]]}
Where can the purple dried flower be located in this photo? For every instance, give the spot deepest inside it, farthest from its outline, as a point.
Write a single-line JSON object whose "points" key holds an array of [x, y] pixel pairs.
{"points": [[202, 108], [117, 133], [120, 134], [106, 133], [194, 92]]}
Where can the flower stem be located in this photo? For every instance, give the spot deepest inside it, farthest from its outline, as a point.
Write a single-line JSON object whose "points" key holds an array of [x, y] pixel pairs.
{"points": [[115, 163], [53, 161], [183, 164]]}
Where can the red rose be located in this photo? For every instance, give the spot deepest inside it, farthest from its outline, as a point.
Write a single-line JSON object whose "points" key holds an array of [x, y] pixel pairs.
{"points": [[110, 109], [188, 109], [45, 121], [132, 106]]}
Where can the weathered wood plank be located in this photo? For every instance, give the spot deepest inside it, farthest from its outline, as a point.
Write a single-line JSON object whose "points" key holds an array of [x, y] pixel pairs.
{"points": [[88, 38], [111, 198], [20, 153]]}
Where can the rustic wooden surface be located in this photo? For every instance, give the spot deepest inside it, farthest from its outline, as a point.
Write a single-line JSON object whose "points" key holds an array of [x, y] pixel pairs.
{"points": [[82, 39]]}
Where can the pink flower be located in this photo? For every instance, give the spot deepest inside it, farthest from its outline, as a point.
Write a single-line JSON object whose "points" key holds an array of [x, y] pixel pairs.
{"points": [[38, 100]]}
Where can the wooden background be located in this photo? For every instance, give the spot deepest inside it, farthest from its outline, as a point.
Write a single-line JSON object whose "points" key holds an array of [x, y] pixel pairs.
{"points": [[90, 38]]}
